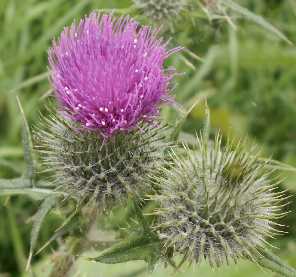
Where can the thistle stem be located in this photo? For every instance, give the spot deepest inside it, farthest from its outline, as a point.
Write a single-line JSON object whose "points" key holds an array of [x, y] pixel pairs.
{"points": [[63, 265], [272, 262]]}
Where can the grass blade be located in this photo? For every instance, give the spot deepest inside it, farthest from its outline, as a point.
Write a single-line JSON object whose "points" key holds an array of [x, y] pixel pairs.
{"points": [[16, 238], [255, 18], [44, 209], [32, 81], [28, 146], [195, 101]]}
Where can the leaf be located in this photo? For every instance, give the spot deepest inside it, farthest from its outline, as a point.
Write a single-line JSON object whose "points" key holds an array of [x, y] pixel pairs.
{"points": [[255, 18], [268, 260], [195, 82], [15, 237], [17, 183], [58, 233], [273, 164], [31, 81], [21, 186], [196, 101], [144, 248], [28, 146], [141, 218], [39, 217], [10, 165]]}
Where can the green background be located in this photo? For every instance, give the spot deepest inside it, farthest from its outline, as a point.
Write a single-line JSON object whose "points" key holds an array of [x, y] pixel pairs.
{"points": [[247, 72]]}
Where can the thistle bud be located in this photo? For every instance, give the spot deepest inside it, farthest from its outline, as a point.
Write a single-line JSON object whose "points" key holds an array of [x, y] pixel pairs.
{"points": [[217, 203], [87, 167], [161, 10]]}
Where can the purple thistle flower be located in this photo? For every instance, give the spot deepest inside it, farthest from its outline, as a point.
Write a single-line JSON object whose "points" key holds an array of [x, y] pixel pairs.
{"points": [[109, 74]]}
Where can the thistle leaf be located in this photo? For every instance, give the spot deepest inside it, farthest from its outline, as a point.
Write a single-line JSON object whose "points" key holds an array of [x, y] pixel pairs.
{"points": [[21, 186], [44, 209], [28, 146], [141, 218], [270, 261], [58, 234], [143, 247], [11, 184]]}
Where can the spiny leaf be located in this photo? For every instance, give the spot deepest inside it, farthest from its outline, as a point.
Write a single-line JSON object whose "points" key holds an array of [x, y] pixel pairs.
{"points": [[255, 18], [268, 260], [141, 217], [58, 233], [11, 184], [28, 146], [21, 186], [45, 208], [143, 247]]}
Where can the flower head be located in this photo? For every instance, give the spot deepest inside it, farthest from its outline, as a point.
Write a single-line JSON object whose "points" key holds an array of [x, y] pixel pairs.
{"points": [[109, 73], [217, 204]]}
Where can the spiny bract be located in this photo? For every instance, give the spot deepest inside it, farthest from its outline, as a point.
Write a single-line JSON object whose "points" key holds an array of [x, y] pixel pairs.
{"points": [[161, 10], [88, 167], [216, 203]]}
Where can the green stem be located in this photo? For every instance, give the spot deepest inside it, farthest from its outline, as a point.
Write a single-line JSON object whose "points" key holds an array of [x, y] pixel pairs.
{"points": [[16, 238], [272, 262], [63, 266]]}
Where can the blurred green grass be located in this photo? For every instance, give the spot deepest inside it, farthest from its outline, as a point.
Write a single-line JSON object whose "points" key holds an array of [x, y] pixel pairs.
{"points": [[250, 73]]}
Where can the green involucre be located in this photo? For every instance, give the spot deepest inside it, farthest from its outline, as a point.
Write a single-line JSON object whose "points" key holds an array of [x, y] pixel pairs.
{"points": [[87, 167], [216, 203]]}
